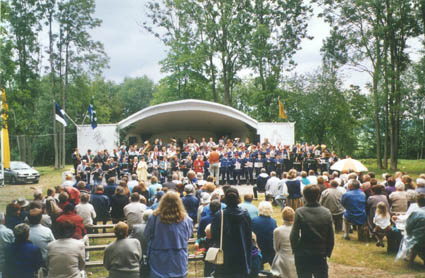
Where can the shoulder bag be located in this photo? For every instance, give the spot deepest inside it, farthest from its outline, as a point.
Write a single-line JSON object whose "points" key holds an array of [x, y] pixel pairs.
{"points": [[215, 255]]}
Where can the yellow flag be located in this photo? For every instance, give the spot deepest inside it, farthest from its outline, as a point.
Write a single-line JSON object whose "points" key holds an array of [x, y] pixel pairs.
{"points": [[282, 113], [5, 155]]}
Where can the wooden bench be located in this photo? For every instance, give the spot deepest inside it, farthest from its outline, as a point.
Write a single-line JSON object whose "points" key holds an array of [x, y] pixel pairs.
{"points": [[192, 258], [102, 235]]}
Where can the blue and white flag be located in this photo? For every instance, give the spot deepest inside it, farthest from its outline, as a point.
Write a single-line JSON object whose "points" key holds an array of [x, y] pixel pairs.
{"points": [[93, 118], [60, 115]]}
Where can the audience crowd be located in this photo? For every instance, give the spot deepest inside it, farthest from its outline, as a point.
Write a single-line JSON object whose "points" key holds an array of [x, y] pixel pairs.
{"points": [[157, 210]]}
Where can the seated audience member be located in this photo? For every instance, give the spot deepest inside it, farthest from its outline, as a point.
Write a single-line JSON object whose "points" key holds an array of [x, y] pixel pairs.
{"points": [[378, 195], [312, 235], [22, 258], [272, 185], [110, 187], [132, 183], [142, 190], [284, 263], [263, 227], [154, 188], [6, 237], [39, 235], [205, 220], [122, 257], [138, 233], [354, 202], [190, 202], [86, 211], [331, 199], [420, 184], [69, 214], [13, 215], [415, 231], [65, 256], [118, 201], [170, 184], [133, 212], [204, 201], [398, 199], [382, 221], [63, 200], [248, 206], [101, 204], [408, 182]]}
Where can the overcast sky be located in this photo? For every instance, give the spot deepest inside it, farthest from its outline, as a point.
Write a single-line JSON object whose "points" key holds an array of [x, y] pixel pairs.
{"points": [[134, 52]]}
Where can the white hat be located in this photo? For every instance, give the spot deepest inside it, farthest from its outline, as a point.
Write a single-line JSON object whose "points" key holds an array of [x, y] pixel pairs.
{"points": [[188, 188], [205, 198]]}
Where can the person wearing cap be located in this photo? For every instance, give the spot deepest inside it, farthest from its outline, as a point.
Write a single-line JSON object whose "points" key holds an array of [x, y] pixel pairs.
{"points": [[6, 238], [13, 215], [190, 202], [237, 237], [224, 166], [22, 258], [420, 184], [258, 164]]}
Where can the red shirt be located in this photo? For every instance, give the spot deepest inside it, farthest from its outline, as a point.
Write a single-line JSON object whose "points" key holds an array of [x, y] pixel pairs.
{"points": [[80, 230], [214, 157], [198, 165], [74, 194]]}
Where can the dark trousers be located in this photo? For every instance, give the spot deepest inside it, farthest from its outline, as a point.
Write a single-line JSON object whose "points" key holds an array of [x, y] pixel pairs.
{"points": [[256, 189], [311, 266], [237, 176], [337, 222], [249, 175]]}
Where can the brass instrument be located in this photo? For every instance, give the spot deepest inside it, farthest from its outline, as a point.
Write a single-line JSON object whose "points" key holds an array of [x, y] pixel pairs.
{"points": [[147, 147]]}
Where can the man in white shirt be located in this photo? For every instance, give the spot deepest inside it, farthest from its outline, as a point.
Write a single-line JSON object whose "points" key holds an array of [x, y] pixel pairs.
{"points": [[134, 210], [39, 235], [277, 188], [86, 210]]}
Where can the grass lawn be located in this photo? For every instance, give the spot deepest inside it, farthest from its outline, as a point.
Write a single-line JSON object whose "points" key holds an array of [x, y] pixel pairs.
{"points": [[413, 167], [350, 258]]}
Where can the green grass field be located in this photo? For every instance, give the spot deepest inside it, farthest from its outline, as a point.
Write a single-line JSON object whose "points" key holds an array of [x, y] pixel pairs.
{"points": [[350, 259]]}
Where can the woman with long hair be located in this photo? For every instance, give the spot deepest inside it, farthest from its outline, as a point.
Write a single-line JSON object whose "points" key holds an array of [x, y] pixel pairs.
{"points": [[168, 231]]}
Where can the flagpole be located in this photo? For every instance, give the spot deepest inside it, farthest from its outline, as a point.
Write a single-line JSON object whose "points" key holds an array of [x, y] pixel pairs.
{"points": [[2, 158], [72, 121], [85, 116]]}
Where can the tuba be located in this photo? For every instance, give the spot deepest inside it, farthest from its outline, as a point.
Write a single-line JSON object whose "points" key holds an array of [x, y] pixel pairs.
{"points": [[147, 147]]}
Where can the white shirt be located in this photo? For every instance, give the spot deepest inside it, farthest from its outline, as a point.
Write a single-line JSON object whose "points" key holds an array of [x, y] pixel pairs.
{"points": [[87, 212], [272, 186], [312, 179], [134, 213], [382, 221]]}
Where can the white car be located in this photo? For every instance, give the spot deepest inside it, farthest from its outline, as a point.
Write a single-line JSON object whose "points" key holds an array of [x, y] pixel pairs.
{"points": [[20, 172]]}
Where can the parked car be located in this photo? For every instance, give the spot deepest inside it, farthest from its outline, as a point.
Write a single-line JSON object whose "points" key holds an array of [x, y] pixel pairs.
{"points": [[20, 172], [1, 179]]}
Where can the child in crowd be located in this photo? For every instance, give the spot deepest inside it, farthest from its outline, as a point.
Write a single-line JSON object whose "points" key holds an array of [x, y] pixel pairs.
{"points": [[382, 221]]}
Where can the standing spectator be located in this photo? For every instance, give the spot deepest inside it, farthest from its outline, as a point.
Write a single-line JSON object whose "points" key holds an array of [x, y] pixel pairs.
{"points": [[205, 201], [138, 232], [122, 256], [39, 235], [263, 227], [133, 212], [101, 205], [154, 188], [248, 206], [190, 202], [207, 219], [134, 182], [110, 187], [142, 169], [23, 259], [65, 256], [354, 202], [6, 237], [170, 184], [86, 211], [331, 199], [168, 231], [284, 262], [118, 201], [142, 190], [294, 190], [237, 237], [312, 236]]}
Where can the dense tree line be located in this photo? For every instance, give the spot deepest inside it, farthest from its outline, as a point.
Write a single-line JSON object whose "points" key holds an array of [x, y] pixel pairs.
{"points": [[209, 44]]}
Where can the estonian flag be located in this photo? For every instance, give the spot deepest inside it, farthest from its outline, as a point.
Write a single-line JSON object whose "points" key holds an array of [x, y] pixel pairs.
{"points": [[93, 118], [60, 115]]}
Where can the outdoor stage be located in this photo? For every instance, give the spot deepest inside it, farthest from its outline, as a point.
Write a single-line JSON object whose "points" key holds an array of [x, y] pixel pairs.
{"points": [[180, 119]]}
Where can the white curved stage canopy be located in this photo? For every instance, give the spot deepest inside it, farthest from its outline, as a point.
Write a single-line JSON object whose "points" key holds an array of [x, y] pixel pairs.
{"points": [[180, 119]]}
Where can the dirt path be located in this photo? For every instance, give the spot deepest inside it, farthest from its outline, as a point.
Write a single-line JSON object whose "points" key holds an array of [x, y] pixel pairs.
{"points": [[343, 271]]}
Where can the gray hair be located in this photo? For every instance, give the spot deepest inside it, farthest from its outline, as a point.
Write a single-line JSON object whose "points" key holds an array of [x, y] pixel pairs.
{"points": [[399, 186], [265, 208], [420, 182], [411, 196]]}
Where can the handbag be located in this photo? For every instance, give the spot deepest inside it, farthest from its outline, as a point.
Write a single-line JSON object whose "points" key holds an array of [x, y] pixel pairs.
{"points": [[215, 255]]}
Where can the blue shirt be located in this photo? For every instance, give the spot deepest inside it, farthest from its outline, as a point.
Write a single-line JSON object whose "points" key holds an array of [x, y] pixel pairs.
{"points": [[23, 259], [252, 210], [203, 223], [263, 227], [206, 211], [153, 189], [168, 253], [191, 204], [354, 202], [41, 236]]}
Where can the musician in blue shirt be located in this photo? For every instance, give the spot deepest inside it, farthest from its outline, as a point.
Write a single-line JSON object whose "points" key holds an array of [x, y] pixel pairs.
{"points": [[224, 166], [238, 164], [248, 168]]}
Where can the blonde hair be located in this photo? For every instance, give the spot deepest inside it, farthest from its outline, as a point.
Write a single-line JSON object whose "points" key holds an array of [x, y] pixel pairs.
{"points": [[292, 174], [381, 209], [209, 187], [288, 215], [265, 208], [170, 209]]}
